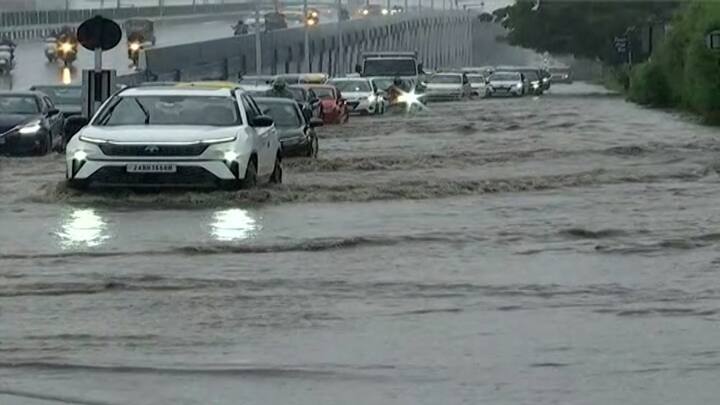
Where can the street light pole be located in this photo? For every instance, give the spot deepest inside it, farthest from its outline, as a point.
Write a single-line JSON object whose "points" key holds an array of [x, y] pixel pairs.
{"points": [[258, 44], [306, 48], [340, 38]]}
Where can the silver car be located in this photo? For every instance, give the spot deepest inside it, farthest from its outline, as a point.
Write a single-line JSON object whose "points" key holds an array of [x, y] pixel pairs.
{"points": [[448, 86], [478, 84], [506, 84], [361, 95]]}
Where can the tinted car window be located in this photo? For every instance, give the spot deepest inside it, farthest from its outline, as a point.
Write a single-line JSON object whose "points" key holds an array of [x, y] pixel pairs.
{"points": [[285, 115], [22, 105]]}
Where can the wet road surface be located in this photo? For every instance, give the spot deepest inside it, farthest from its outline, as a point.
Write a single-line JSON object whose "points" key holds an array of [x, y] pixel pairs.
{"points": [[560, 249]]}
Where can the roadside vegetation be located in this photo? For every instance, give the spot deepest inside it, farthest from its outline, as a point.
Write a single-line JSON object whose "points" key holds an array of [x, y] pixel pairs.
{"points": [[683, 73]]}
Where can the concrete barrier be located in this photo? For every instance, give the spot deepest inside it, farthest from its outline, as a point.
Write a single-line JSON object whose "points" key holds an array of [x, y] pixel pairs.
{"points": [[440, 38]]}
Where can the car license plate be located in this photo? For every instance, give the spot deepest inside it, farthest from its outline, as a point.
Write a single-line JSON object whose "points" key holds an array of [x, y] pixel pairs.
{"points": [[151, 168]]}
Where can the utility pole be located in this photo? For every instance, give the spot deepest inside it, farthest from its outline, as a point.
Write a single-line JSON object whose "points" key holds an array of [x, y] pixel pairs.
{"points": [[258, 44], [306, 48], [339, 38]]}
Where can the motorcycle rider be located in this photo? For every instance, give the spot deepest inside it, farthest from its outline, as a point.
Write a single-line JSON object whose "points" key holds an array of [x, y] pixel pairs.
{"points": [[5, 41], [395, 89], [280, 90], [240, 28]]}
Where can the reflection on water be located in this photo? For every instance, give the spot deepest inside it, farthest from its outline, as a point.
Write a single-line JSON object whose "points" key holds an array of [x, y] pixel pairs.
{"points": [[233, 224], [82, 228], [66, 76]]}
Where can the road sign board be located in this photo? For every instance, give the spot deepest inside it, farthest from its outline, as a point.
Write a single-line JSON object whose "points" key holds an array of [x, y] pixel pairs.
{"points": [[99, 33]]}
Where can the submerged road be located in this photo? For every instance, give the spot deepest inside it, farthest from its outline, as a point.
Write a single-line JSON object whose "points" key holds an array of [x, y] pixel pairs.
{"points": [[561, 249]]}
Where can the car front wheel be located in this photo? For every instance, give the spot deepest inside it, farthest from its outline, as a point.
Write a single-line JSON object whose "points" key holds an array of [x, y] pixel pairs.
{"points": [[250, 179], [277, 174]]}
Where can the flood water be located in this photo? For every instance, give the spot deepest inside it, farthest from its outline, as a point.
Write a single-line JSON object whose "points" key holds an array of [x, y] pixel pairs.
{"points": [[553, 250]]}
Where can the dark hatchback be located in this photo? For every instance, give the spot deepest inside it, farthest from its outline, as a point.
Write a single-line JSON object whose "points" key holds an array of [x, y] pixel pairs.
{"points": [[29, 124], [307, 99], [296, 134], [67, 99]]}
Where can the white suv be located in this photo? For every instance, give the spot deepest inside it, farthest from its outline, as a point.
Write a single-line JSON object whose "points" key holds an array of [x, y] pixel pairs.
{"points": [[183, 135]]}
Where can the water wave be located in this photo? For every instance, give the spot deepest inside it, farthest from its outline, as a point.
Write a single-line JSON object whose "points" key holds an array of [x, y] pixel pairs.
{"points": [[305, 245]]}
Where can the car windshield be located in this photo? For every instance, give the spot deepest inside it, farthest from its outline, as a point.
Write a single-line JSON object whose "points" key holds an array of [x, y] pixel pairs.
{"points": [[476, 79], [70, 95], [353, 86], [298, 93], [325, 93], [284, 114], [170, 110], [23, 105], [531, 75], [505, 76], [446, 79], [390, 67]]}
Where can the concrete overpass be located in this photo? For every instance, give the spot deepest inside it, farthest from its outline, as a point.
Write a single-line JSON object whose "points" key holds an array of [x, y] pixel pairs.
{"points": [[440, 38]]}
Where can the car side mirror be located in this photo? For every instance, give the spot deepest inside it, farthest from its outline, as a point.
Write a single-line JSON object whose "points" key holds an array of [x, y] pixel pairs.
{"points": [[358, 69], [316, 122], [74, 124], [261, 121], [53, 111]]}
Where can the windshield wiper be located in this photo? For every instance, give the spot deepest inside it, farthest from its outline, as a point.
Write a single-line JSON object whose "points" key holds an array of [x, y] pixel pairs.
{"points": [[144, 110]]}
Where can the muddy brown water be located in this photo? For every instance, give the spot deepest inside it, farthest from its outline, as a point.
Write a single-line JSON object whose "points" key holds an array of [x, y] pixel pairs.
{"points": [[561, 249]]}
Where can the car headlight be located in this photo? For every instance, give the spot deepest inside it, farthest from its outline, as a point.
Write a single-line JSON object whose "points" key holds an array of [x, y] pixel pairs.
{"points": [[384, 11], [230, 156], [134, 46], [30, 129], [80, 155], [371, 98], [66, 47], [92, 140], [518, 85], [366, 12]]}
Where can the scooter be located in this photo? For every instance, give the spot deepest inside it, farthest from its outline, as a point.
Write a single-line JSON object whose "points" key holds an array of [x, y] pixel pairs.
{"points": [[67, 51], [51, 49], [7, 61], [134, 49]]}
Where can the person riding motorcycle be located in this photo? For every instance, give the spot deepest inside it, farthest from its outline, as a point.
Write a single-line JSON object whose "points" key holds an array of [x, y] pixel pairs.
{"points": [[280, 90], [240, 28], [5, 41], [395, 90]]}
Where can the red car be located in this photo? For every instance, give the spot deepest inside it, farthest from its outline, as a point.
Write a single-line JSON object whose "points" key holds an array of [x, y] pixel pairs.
{"points": [[334, 109]]}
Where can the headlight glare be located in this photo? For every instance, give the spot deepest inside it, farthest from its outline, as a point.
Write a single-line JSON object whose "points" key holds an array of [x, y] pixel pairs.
{"points": [[30, 129], [80, 156]]}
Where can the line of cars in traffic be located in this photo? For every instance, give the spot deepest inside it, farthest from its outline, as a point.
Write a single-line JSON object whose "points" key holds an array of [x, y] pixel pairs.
{"points": [[219, 134]]}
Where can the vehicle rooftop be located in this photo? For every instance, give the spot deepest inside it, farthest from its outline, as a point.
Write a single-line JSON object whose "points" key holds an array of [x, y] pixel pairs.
{"points": [[177, 91]]}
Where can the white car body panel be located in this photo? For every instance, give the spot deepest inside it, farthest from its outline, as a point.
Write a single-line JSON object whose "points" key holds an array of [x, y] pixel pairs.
{"points": [[149, 143]]}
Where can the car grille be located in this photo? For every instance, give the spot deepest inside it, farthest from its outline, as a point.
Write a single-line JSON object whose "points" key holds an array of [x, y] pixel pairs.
{"points": [[110, 149], [185, 176]]}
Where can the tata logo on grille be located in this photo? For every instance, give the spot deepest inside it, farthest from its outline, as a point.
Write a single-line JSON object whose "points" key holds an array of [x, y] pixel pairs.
{"points": [[152, 149]]}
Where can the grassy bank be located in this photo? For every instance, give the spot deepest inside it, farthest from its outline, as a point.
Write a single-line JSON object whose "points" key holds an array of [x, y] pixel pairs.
{"points": [[683, 73]]}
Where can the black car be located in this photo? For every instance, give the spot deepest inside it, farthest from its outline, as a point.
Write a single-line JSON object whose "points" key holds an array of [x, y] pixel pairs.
{"points": [[307, 99], [67, 99], [29, 124], [297, 135]]}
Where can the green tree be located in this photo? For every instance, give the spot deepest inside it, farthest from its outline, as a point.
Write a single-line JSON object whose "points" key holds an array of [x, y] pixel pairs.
{"points": [[581, 28]]}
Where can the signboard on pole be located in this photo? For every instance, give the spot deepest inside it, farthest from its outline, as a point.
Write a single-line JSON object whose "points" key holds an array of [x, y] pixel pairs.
{"points": [[98, 34]]}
